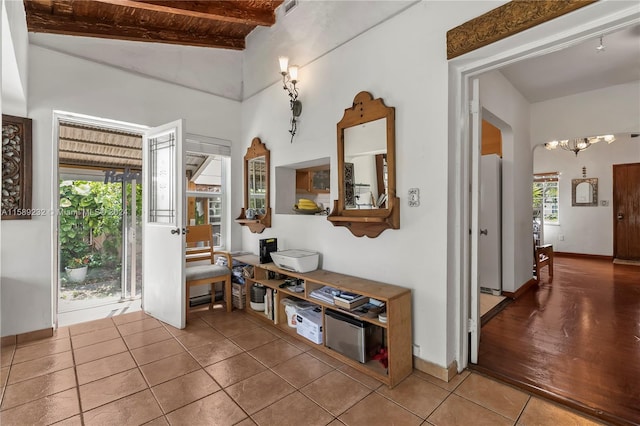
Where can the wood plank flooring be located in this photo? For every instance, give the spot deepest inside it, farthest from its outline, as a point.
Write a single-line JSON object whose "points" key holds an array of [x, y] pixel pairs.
{"points": [[575, 339]]}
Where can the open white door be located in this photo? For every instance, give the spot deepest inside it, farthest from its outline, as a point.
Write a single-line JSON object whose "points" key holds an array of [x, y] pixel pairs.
{"points": [[476, 123], [163, 243]]}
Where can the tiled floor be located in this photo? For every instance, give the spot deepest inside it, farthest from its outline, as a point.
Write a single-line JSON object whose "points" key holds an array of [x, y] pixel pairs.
{"points": [[226, 369]]}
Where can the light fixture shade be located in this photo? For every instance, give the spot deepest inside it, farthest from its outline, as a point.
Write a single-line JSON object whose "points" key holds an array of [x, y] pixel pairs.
{"points": [[551, 145], [284, 64], [293, 72]]}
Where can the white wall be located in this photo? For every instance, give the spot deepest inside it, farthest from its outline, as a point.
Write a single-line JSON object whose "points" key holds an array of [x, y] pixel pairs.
{"points": [[214, 71], [14, 58], [613, 110], [586, 230], [62, 82], [403, 62], [306, 33], [502, 100]]}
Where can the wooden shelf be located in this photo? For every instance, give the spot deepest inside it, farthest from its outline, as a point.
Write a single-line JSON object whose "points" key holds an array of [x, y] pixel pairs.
{"points": [[256, 225], [397, 329]]}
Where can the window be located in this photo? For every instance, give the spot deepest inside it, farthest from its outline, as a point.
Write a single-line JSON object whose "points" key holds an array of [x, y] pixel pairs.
{"points": [[545, 196], [208, 198]]}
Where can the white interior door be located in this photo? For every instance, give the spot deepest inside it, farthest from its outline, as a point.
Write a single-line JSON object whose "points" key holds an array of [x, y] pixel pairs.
{"points": [[163, 243], [476, 129], [489, 250]]}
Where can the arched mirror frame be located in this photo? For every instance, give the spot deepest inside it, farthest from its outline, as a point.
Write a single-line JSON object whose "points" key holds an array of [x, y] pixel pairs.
{"points": [[369, 222], [593, 189], [259, 222]]}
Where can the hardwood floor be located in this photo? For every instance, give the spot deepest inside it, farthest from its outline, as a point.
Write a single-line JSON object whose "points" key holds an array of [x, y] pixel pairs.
{"points": [[575, 340]]}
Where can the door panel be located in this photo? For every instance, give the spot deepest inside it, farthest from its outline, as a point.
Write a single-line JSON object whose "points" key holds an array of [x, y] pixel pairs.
{"points": [[489, 250], [163, 223], [626, 211], [476, 137]]}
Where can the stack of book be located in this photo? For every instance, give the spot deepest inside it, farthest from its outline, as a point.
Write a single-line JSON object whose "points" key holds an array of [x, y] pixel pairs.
{"points": [[348, 300], [325, 294]]}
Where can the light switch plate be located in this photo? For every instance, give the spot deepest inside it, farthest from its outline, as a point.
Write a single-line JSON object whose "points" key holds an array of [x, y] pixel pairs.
{"points": [[414, 197], [604, 203]]}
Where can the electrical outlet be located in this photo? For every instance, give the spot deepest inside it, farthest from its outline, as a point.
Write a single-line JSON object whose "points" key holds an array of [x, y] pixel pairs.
{"points": [[604, 203], [414, 197], [416, 350], [561, 237]]}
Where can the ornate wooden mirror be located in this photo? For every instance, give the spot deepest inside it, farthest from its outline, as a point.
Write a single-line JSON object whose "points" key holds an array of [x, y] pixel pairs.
{"points": [[367, 202], [584, 192], [256, 214]]}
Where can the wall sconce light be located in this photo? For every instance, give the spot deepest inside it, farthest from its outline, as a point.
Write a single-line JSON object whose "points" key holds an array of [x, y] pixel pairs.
{"points": [[289, 81]]}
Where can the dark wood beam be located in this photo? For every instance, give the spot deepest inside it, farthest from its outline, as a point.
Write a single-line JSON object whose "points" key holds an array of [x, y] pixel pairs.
{"points": [[224, 11], [45, 23]]}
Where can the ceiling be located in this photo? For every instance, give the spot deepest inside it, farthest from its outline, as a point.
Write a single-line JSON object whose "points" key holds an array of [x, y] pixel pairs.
{"points": [[225, 24], [220, 24], [579, 68]]}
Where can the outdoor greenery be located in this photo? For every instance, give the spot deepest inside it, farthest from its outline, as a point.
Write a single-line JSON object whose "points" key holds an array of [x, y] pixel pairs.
{"points": [[90, 223], [545, 198]]}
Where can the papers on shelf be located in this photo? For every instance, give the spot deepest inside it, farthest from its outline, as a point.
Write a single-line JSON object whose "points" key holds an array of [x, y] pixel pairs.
{"points": [[325, 294]]}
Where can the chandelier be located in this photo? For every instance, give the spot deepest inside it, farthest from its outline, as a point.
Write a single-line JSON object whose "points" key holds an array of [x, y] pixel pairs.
{"points": [[578, 144]]}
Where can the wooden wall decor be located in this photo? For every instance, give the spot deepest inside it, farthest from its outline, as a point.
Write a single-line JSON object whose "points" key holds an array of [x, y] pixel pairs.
{"points": [[16, 167], [505, 21]]}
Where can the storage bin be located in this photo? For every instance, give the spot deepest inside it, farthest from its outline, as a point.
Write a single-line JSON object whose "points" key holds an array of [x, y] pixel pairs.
{"points": [[309, 325]]}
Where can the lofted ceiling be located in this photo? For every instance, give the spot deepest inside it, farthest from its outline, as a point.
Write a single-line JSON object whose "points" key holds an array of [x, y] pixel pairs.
{"points": [[220, 24]]}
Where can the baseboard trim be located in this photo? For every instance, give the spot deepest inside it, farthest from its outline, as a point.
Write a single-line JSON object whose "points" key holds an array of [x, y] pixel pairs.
{"points": [[519, 292], [445, 374], [26, 337], [582, 255]]}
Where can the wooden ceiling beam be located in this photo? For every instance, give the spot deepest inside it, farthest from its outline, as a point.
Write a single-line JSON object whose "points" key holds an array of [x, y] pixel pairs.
{"points": [[222, 11], [45, 23]]}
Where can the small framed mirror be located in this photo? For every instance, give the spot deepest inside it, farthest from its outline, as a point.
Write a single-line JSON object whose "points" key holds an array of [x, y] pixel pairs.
{"points": [[367, 202], [256, 214], [584, 192]]}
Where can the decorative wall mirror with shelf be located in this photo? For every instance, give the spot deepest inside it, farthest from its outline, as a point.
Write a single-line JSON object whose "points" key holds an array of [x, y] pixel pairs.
{"points": [[367, 202], [584, 192], [256, 214]]}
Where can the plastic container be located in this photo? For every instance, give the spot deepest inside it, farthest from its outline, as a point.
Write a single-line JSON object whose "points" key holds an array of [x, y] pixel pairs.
{"points": [[257, 295], [291, 311], [292, 307]]}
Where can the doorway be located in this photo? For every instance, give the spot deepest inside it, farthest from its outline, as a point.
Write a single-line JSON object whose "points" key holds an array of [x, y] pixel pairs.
{"points": [[99, 200], [626, 211]]}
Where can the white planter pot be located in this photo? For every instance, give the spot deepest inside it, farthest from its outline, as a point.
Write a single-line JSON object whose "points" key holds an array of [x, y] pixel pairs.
{"points": [[77, 275]]}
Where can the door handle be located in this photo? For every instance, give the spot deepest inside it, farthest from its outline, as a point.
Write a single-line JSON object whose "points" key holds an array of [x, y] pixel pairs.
{"points": [[484, 232], [620, 216], [175, 231]]}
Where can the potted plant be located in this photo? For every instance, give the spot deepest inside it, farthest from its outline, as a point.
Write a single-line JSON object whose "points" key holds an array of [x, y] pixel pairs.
{"points": [[77, 268]]}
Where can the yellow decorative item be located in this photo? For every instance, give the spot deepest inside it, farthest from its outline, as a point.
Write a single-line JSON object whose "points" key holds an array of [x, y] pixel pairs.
{"points": [[306, 206]]}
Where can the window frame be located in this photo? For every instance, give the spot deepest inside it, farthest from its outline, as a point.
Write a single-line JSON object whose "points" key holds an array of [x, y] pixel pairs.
{"points": [[223, 194], [548, 180]]}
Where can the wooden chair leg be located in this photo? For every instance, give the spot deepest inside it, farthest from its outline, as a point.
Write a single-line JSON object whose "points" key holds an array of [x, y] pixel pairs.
{"points": [[227, 294]]}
